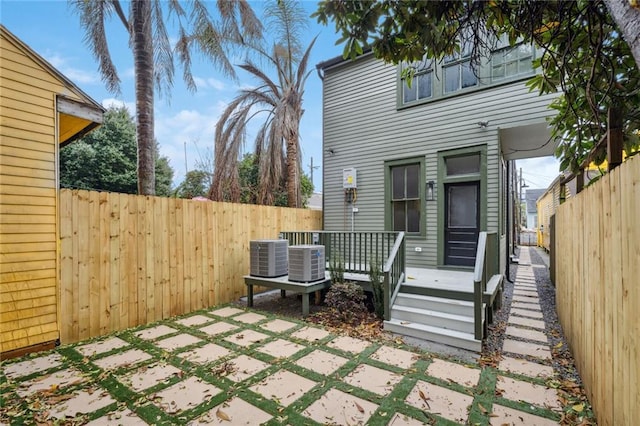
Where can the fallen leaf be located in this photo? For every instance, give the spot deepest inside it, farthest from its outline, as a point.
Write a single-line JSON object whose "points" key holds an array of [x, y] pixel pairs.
{"points": [[578, 407], [359, 407], [482, 409], [222, 415]]}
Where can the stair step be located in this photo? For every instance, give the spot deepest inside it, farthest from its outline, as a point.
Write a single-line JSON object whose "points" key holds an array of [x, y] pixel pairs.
{"points": [[452, 306], [448, 337], [441, 319]]}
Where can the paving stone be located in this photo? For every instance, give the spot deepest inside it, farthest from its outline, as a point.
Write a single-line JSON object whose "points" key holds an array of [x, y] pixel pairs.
{"points": [[150, 376], [310, 334], [30, 366], [246, 337], [527, 322], [456, 373], [525, 305], [218, 328], [349, 344], [116, 418], [226, 312], [177, 342], [374, 379], [526, 368], [281, 348], [81, 402], [155, 332], [194, 320], [518, 390], [524, 348], [185, 395], [205, 354], [322, 362], [404, 420], [526, 299], [249, 318], [526, 313], [278, 325], [237, 410], [525, 333], [283, 387], [59, 379], [394, 356], [130, 357], [509, 416], [524, 293], [337, 407], [102, 346], [441, 401], [244, 367]]}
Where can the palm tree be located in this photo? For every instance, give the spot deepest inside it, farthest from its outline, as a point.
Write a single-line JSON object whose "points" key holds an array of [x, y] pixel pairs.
{"points": [[278, 101], [153, 54]]}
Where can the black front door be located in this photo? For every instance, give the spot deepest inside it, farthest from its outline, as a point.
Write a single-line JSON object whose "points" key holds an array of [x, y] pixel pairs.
{"points": [[462, 223]]}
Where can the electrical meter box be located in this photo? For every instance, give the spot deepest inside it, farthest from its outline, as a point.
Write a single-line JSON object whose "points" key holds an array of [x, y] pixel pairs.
{"points": [[349, 178]]}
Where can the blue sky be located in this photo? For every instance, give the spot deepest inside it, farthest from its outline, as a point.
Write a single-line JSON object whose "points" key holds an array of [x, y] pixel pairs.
{"points": [[188, 119]]}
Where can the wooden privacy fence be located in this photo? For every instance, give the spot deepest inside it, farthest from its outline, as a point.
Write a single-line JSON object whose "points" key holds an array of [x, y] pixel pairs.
{"points": [[597, 243], [127, 260]]}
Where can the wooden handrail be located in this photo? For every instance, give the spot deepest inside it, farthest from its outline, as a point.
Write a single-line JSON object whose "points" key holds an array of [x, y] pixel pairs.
{"points": [[483, 270]]}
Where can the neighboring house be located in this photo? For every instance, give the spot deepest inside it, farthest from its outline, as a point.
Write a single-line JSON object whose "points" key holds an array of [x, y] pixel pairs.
{"points": [[432, 159], [315, 201], [531, 198], [40, 110]]}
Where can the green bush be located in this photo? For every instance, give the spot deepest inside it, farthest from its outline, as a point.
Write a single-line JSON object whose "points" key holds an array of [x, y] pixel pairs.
{"points": [[347, 300], [336, 270], [377, 289]]}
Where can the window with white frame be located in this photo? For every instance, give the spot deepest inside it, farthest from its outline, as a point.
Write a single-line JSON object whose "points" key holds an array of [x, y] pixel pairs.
{"points": [[512, 61]]}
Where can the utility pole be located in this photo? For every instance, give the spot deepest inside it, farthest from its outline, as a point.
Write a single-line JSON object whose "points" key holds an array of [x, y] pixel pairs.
{"points": [[186, 169], [522, 185], [311, 167]]}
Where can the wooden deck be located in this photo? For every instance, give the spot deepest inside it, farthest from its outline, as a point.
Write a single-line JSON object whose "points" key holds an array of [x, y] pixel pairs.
{"points": [[442, 279]]}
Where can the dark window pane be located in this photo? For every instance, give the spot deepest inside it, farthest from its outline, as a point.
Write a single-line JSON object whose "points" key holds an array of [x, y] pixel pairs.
{"points": [[413, 216], [398, 216], [468, 77], [463, 165], [463, 203], [451, 78], [397, 182], [424, 85], [413, 182]]}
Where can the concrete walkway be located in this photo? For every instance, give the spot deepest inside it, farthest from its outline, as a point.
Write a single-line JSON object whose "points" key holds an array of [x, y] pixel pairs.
{"points": [[234, 366]]}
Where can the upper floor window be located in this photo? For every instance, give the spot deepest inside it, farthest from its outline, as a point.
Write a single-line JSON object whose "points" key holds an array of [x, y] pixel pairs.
{"points": [[455, 74], [420, 86], [457, 70], [512, 61]]}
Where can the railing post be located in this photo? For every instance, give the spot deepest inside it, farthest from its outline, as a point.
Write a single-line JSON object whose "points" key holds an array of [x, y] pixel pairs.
{"points": [[387, 296], [477, 310]]}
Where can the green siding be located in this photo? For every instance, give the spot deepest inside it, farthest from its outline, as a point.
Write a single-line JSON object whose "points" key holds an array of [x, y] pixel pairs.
{"points": [[364, 127]]}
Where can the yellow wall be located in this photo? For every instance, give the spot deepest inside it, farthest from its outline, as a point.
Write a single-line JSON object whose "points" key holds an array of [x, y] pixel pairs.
{"points": [[546, 206], [28, 198]]}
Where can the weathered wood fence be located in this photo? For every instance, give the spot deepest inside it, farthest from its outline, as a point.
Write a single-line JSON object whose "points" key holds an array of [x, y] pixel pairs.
{"points": [[598, 290], [128, 260]]}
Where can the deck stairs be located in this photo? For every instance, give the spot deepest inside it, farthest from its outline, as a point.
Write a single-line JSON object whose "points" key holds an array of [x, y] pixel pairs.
{"points": [[421, 311]]}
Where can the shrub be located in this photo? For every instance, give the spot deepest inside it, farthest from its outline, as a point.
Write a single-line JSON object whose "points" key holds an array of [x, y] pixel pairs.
{"points": [[375, 276], [347, 300], [336, 270]]}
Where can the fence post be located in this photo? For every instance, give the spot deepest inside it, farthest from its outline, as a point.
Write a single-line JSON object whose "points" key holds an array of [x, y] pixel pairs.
{"points": [[614, 138]]}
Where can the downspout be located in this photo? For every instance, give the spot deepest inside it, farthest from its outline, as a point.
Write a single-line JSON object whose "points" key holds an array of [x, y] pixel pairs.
{"points": [[508, 230]]}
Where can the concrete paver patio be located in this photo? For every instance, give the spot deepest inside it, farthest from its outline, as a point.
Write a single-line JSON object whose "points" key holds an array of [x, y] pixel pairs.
{"points": [[234, 366]]}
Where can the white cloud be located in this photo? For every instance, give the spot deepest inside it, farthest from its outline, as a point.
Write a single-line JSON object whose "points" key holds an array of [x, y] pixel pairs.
{"points": [[209, 83], [539, 172], [112, 102], [76, 75]]}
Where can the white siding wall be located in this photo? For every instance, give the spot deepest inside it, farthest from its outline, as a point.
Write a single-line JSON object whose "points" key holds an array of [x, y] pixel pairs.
{"points": [[364, 128]]}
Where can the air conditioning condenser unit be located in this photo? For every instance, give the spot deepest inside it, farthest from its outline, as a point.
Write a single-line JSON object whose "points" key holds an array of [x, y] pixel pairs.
{"points": [[268, 258], [306, 263]]}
